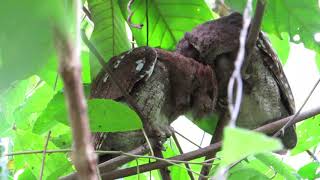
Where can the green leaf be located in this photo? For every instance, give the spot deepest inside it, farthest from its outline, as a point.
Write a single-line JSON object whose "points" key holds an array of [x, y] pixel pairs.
{"points": [[105, 116], [168, 20], [49, 73], [294, 17], [26, 37], [24, 141], [278, 165], [239, 143], [12, 100], [207, 124], [109, 34], [27, 174], [309, 171], [308, 133], [171, 150], [110, 116], [247, 174], [35, 102], [318, 60]]}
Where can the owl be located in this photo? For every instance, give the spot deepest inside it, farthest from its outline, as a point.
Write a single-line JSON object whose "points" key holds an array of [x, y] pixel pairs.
{"points": [[163, 84], [267, 95]]}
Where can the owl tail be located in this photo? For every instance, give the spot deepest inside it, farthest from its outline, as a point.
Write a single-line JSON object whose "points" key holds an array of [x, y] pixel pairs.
{"points": [[289, 137]]}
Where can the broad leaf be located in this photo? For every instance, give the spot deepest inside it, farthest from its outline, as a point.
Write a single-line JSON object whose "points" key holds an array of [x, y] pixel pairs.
{"points": [[247, 174], [294, 17], [49, 73], [57, 162], [168, 20], [110, 116], [278, 165], [239, 143], [26, 37], [318, 60], [104, 115], [308, 133], [109, 34], [310, 171]]}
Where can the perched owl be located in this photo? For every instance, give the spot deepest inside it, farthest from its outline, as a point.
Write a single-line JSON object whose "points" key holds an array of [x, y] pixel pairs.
{"points": [[267, 94], [164, 85]]}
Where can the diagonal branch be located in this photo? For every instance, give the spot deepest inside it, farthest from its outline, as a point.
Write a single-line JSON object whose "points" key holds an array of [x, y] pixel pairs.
{"points": [[268, 128]]}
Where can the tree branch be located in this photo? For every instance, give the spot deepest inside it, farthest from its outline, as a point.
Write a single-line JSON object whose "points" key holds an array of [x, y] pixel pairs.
{"points": [[255, 26], [181, 152], [70, 69], [268, 128], [44, 155]]}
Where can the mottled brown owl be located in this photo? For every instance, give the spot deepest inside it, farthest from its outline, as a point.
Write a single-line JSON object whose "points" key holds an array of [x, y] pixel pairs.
{"points": [[267, 94]]}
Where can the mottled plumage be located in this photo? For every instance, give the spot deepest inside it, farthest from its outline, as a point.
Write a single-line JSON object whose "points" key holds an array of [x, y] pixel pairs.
{"points": [[267, 94], [164, 85]]}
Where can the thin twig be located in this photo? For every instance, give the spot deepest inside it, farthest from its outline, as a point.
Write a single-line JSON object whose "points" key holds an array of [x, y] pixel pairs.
{"points": [[268, 128], [247, 44], [314, 157], [300, 109], [164, 172], [255, 27], [186, 139], [139, 26], [87, 12], [44, 155], [181, 152], [204, 133], [148, 142], [235, 82]]}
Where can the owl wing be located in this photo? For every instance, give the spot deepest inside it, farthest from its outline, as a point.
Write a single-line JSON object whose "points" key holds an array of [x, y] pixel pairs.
{"points": [[275, 67], [128, 68]]}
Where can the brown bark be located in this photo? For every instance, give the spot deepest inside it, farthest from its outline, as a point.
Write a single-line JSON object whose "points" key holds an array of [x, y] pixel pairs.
{"points": [[70, 70]]}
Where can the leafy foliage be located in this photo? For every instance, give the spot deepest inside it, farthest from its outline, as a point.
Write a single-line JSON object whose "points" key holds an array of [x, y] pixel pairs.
{"points": [[102, 119], [168, 20], [288, 16], [109, 34], [246, 143], [31, 92], [25, 48], [308, 135]]}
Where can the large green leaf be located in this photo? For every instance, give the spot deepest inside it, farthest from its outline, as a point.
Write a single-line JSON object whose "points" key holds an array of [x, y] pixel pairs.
{"points": [[247, 174], [105, 116], [308, 133], [280, 167], [57, 163], [49, 73], [13, 100], [35, 102], [310, 170], [26, 36], [239, 143], [109, 34], [295, 17], [168, 20]]}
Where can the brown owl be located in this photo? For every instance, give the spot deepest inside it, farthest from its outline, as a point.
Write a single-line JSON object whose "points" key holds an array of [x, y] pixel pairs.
{"points": [[267, 94]]}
